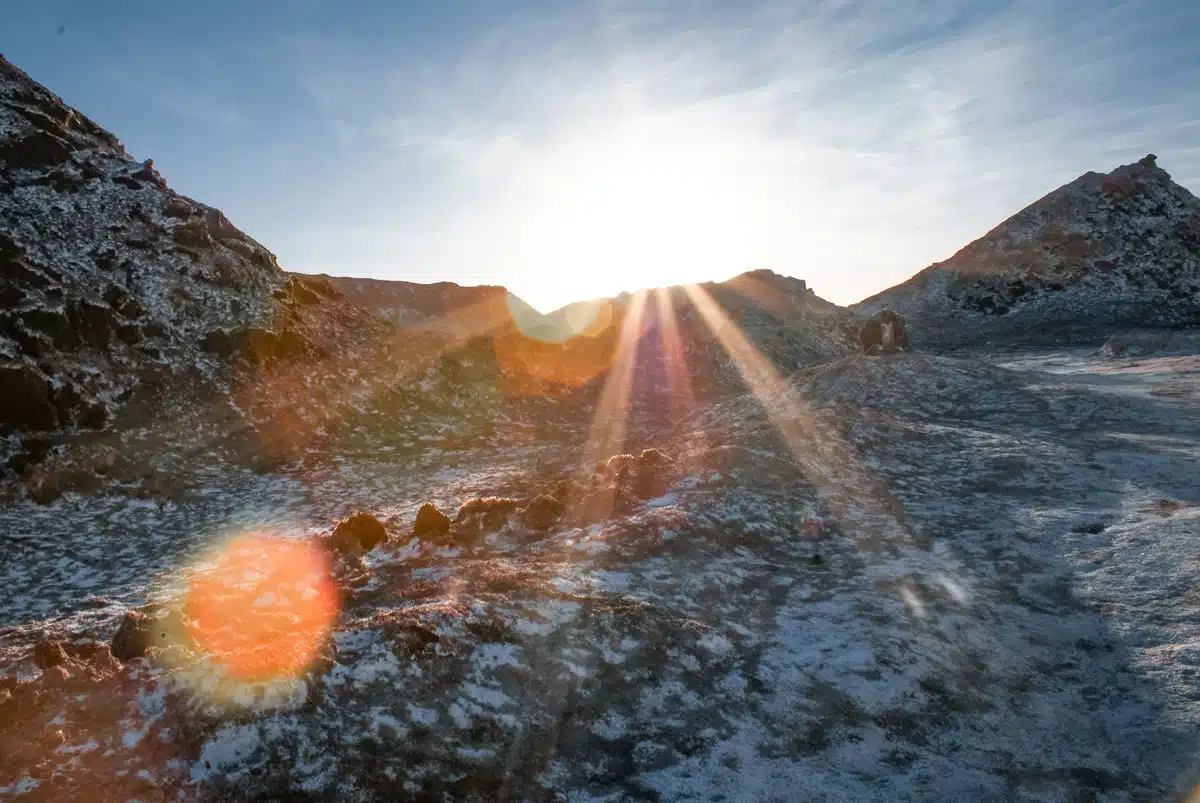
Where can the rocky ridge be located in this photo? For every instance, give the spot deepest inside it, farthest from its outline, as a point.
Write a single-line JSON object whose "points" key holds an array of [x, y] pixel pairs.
{"points": [[130, 311], [793, 572], [1106, 251]]}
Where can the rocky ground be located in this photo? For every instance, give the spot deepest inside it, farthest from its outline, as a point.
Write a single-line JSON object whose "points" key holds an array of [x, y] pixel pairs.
{"points": [[258, 543], [1002, 607]]}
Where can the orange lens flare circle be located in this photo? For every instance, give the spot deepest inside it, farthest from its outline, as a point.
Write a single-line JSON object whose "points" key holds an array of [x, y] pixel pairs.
{"points": [[262, 610], [569, 352]]}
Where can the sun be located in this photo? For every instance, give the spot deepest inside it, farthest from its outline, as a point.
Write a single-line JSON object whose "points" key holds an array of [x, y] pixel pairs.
{"points": [[647, 206]]}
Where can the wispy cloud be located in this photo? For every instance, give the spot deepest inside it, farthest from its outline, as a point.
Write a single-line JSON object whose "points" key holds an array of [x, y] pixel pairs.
{"points": [[204, 110], [864, 139]]}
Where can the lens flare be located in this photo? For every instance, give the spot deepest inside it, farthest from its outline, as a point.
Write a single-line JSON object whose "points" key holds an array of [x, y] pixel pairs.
{"points": [[263, 608], [567, 349]]}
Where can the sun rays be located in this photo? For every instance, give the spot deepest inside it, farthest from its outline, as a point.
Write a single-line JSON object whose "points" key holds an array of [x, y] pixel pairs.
{"points": [[645, 353], [822, 455]]}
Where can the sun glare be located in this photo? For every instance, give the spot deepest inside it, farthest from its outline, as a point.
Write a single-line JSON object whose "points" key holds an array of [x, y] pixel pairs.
{"points": [[647, 208]]}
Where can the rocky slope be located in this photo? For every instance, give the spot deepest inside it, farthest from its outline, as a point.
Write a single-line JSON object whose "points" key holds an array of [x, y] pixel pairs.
{"points": [[1105, 251], [437, 305], [131, 312], [699, 550], [996, 610]]}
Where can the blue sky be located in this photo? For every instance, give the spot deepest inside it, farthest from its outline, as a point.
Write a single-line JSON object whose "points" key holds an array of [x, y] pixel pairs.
{"points": [[571, 150]]}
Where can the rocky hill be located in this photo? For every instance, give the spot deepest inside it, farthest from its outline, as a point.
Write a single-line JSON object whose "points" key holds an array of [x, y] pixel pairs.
{"points": [[436, 305], [141, 328], [258, 543], [1106, 251], [132, 314]]}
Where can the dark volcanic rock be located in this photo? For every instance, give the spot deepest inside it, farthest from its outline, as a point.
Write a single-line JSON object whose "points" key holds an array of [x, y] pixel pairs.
{"points": [[430, 522], [249, 343], [37, 150], [133, 637], [53, 323], [543, 512], [885, 331], [25, 399], [485, 514], [87, 280], [359, 531], [1105, 251], [643, 476], [154, 626], [569, 490], [254, 344]]}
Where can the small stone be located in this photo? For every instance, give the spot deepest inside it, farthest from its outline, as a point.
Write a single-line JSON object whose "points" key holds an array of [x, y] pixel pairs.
{"points": [[132, 638], [430, 521], [543, 512], [359, 531]]}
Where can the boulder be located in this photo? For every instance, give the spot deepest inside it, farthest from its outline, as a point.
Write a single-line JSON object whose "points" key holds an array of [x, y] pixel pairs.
{"points": [[255, 345], [884, 331], [154, 626], [291, 344], [603, 503], [543, 512], [193, 234], [217, 342], [358, 531], [25, 399], [302, 293], [652, 474], [430, 522], [148, 174], [93, 415], [642, 476], [130, 334], [34, 450], [219, 226], [44, 487], [249, 343], [133, 637], [569, 490], [485, 514], [178, 208]]}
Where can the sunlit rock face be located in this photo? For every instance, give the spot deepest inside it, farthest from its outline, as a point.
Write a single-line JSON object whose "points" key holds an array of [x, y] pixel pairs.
{"points": [[679, 545], [1120, 249], [132, 316]]}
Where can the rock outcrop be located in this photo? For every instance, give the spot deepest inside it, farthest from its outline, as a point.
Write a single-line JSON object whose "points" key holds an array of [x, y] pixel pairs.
{"points": [[430, 522], [360, 531], [127, 305], [884, 331], [1105, 251]]}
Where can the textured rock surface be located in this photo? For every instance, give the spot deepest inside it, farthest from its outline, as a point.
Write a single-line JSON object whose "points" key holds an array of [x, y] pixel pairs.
{"points": [[703, 551], [1107, 250], [111, 284], [999, 610]]}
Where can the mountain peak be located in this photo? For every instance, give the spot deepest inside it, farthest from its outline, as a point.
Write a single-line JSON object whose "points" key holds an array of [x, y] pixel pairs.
{"points": [[1118, 248]]}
